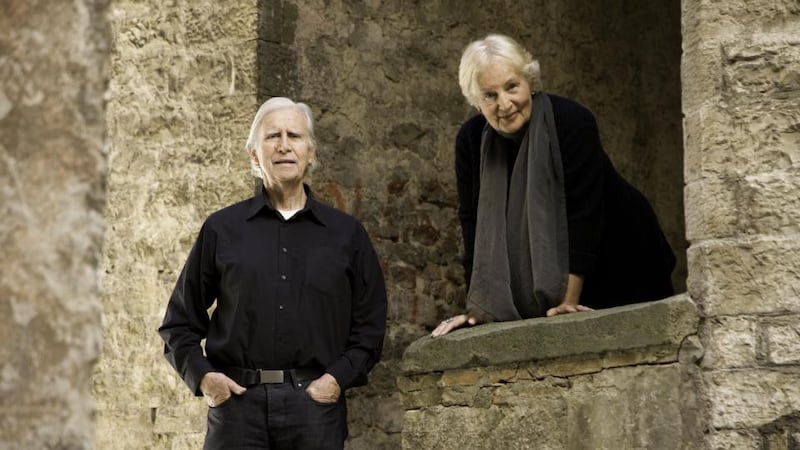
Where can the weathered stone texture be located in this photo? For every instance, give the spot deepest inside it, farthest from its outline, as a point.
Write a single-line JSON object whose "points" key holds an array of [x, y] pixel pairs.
{"points": [[740, 140], [753, 397], [763, 204], [709, 20], [645, 402], [745, 276], [182, 98], [661, 325], [782, 340], [53, 67], [742, 135], [730, 341], [734, 440]]}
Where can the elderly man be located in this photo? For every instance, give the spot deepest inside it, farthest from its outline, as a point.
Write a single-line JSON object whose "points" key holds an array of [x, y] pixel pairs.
{"points": [[300, 303]]}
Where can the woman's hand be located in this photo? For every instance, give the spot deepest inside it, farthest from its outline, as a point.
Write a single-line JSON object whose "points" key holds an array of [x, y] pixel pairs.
{"points": [[565, 308], [470, 318], [569, 304]]}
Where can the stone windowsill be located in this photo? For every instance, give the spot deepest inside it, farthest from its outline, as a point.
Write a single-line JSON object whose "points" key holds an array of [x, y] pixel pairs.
{"points": [[642, 327]]}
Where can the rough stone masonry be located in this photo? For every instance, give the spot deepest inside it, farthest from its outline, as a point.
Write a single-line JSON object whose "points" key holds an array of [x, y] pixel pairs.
{"points": [[183, 80]]}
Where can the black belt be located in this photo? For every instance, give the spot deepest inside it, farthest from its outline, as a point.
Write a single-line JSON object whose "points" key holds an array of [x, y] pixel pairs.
{"points": [[249, 377]]}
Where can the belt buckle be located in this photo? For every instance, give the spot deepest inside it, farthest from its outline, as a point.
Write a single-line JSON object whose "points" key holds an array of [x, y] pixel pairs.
{"points": [[270, 376]]}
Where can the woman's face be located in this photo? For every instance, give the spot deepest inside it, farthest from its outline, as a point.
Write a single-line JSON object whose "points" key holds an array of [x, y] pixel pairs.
{"points": [[505, 97]]}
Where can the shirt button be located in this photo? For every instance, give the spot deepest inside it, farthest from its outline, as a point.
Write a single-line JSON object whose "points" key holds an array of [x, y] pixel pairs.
{"points": [[283, 249], [280, 307], [283, 277]]}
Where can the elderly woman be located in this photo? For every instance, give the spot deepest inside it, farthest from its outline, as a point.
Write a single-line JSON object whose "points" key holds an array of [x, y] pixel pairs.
{"points": [[549, 226]]}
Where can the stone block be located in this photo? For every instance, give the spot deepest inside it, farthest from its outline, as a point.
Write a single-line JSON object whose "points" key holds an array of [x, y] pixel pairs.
{"points": [[745, 276], [462, 377], [726, 143], [525, 392], [419, 391], [762, 69], [373, 412], [712, 209], [462, 395], [712, 19], [463, 427], [730, 342], [614, 409], [654, 324], [609, 409], [749, 398], [782, 340], [733, 440], [769, 203], [701, 73]]}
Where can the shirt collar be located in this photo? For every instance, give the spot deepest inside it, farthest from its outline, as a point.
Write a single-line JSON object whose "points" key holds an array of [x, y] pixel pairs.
{"points": [[261, 202]]}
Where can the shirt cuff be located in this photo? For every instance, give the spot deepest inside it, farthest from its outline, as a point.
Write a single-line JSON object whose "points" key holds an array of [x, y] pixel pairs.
{"points": [[344, 373], [581, 263], [195, 372]]}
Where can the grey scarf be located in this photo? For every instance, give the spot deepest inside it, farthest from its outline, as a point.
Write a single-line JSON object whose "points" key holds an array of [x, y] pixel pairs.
{"points": [[521, 258]]}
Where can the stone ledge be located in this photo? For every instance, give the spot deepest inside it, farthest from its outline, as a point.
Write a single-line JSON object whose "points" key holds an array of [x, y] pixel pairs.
{"points": [[663, 323]]}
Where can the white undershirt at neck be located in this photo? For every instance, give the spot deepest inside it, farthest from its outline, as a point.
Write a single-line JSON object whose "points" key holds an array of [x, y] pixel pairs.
{"points": [[288, 213]]}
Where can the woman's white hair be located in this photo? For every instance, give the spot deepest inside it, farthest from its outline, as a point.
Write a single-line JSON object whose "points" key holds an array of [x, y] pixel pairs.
{"points": [[480, 54], [256, 137]]}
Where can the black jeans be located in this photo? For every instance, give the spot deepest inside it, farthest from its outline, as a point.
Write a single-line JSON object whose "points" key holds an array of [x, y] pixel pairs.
{"points": [[277, 416]]}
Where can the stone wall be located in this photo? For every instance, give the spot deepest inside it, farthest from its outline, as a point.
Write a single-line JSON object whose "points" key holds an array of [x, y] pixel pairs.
{"points": [[186, 77], [182, 99], [741, 91], [381, 77], [618, 378], [53, 72]]}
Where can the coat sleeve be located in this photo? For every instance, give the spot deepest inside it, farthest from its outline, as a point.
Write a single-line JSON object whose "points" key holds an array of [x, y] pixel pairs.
{"points": [[585, 165]]}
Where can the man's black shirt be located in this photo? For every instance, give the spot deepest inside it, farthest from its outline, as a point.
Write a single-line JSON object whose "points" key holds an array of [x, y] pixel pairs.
{"points": [[306, 292]]}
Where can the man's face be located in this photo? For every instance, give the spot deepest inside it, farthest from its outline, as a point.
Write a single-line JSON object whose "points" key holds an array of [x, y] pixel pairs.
{"points": [[286, 149]]}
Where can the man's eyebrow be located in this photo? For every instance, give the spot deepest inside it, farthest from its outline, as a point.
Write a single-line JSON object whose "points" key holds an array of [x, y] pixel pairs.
{"points": [[293, 131]]}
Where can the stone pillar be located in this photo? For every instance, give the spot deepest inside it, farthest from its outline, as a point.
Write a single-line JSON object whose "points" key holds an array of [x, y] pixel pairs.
{"points": [[53, 80], [741, 91], [181, 101]]}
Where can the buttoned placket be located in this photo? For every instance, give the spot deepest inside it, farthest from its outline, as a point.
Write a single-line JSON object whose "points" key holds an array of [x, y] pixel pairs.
{"points": [[285, 283], [283, 266]]}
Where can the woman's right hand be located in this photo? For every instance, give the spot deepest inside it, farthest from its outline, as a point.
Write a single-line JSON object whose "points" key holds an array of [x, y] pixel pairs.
{"points": [[447, 325]]}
